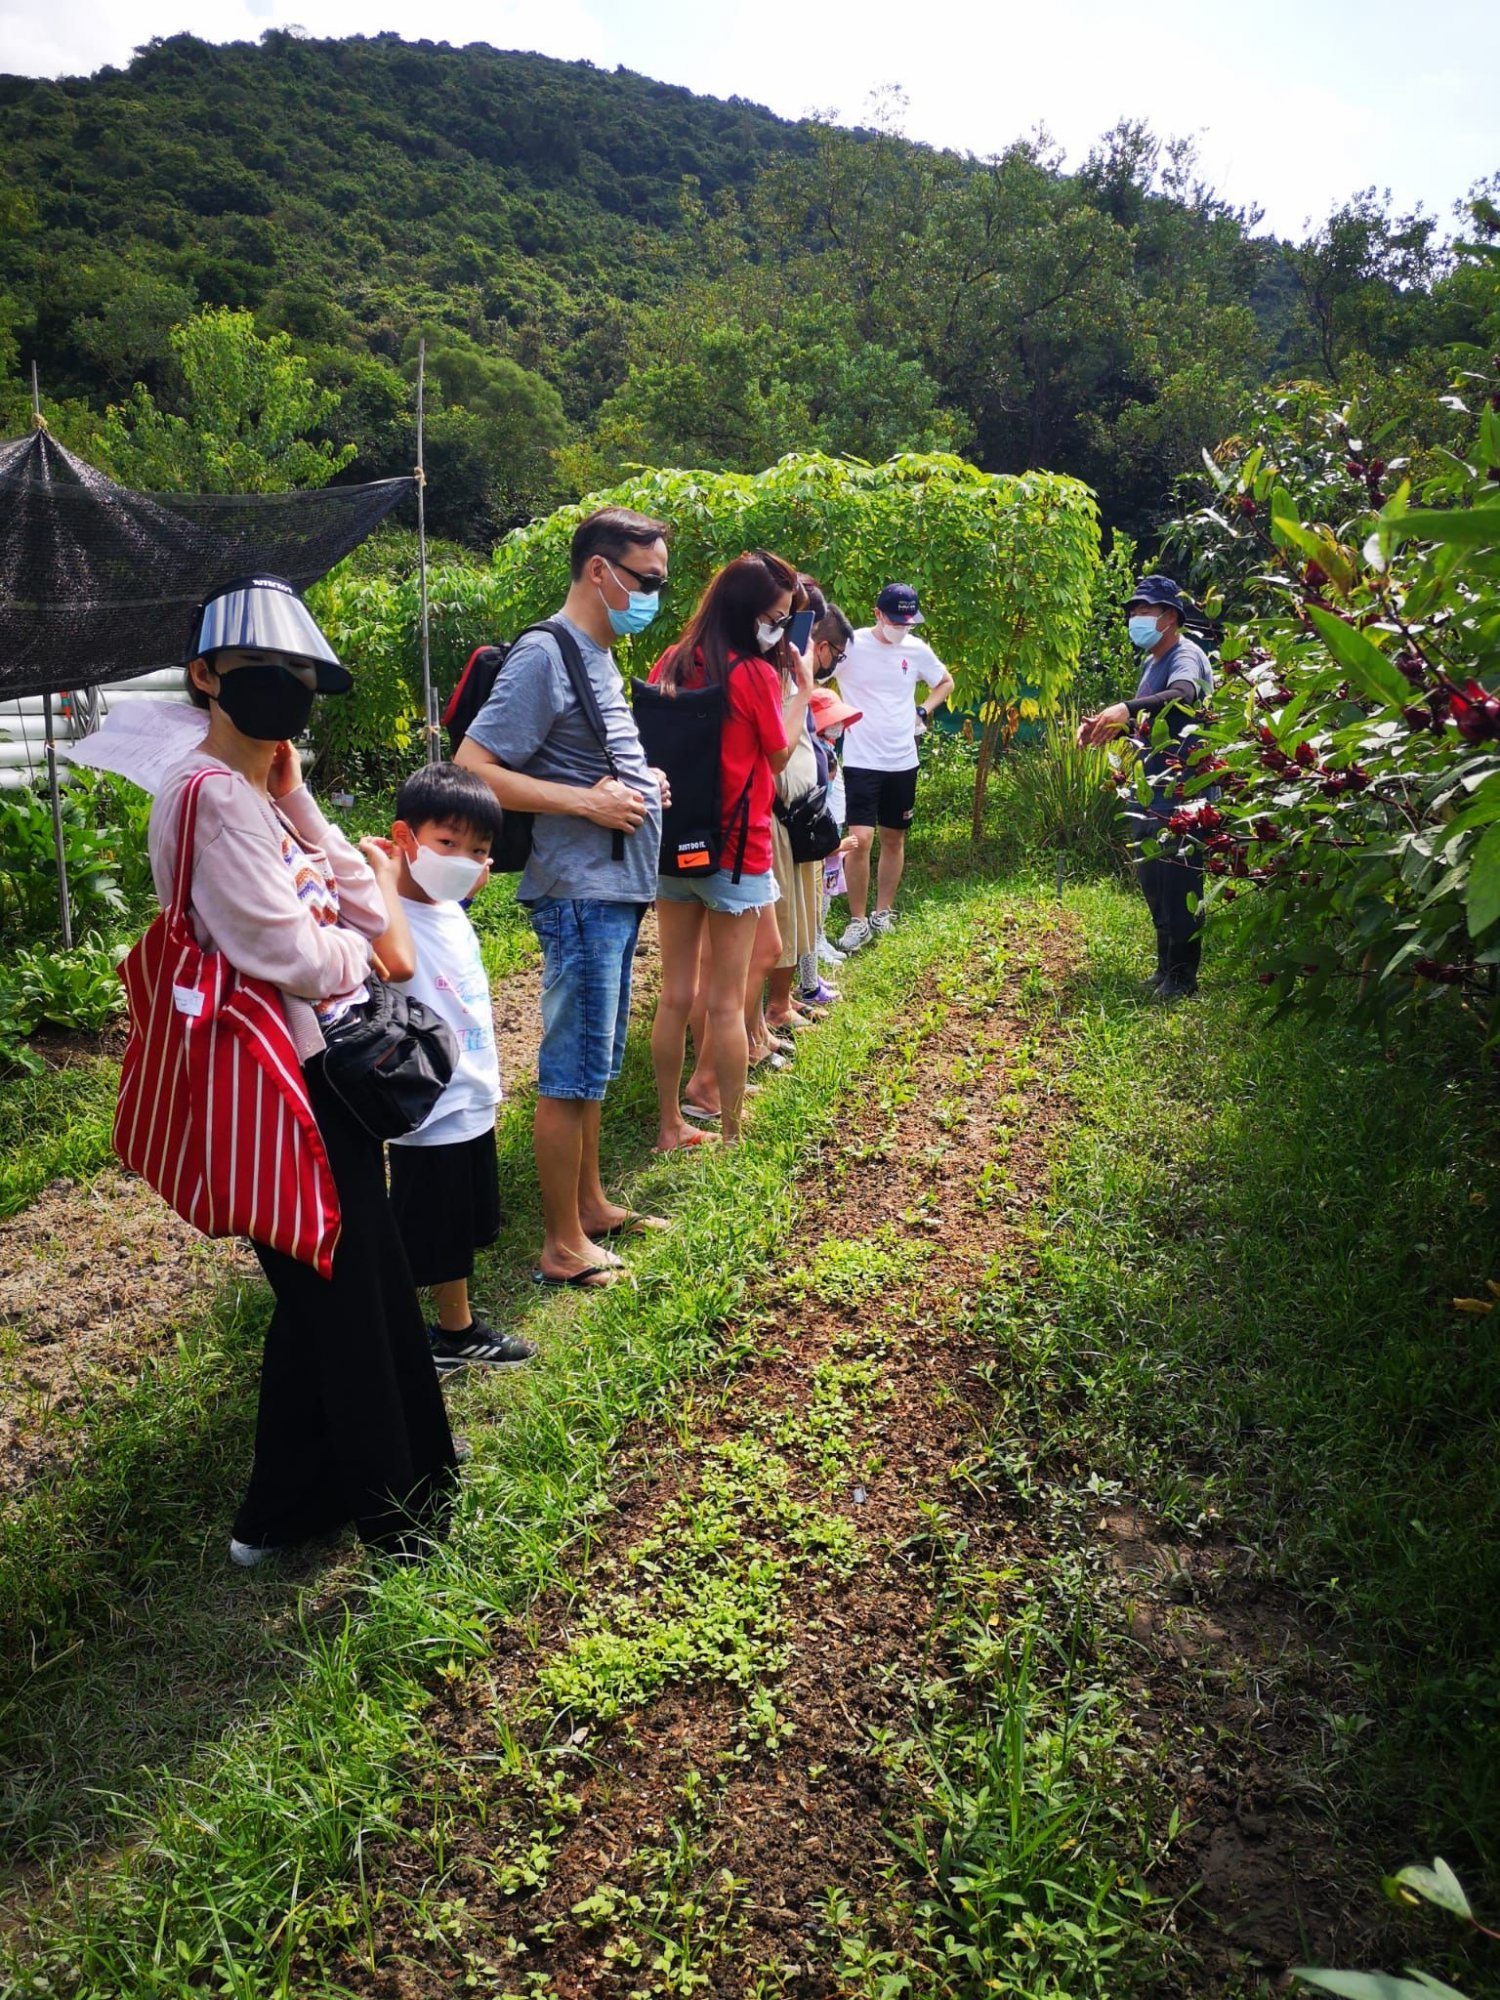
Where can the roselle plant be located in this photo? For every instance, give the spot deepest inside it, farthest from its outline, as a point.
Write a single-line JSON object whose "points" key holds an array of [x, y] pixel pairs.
{"points": [[1354, 750]]}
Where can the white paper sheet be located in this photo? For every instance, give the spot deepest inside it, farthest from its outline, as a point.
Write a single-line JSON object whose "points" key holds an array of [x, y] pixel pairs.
{"points": [[141, 741]]}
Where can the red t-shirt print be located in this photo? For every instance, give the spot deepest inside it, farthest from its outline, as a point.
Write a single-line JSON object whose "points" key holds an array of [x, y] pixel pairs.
{"points": [[752, 732]]}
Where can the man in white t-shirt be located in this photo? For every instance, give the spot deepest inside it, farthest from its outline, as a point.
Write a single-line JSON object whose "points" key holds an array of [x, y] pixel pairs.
{"points": [[880, 674]]}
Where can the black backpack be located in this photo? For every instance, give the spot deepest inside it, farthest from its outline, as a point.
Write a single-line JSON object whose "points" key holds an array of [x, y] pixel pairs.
{"points": [[681, 734], [476, 684]]}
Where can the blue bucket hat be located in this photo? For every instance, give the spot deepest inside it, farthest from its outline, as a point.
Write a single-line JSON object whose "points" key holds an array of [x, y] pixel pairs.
{"points": [[1159, 590]]}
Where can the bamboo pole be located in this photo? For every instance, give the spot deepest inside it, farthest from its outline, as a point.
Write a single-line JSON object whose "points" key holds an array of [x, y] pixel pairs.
{"points": [[59, 845], [429, 700]]}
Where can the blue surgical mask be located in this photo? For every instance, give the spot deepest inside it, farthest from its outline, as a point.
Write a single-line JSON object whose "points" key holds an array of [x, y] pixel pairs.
{"points": [[638, 613], [1144, 633]]}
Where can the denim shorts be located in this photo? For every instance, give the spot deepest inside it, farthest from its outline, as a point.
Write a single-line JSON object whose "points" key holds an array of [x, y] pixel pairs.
{"points": [[719, 892], [588, 949]]}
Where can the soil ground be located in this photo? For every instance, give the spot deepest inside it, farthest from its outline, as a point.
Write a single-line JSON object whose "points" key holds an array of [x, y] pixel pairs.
{"points": [[96, 1278], [762, 1848]]}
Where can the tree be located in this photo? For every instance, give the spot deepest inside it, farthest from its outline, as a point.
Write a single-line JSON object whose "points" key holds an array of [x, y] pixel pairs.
{"points": [[493, 437], [1364, 278], [246, 406]]}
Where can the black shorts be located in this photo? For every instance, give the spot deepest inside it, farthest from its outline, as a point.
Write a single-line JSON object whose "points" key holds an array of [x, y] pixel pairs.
{"points": [[880, 798], [446, 1200]]}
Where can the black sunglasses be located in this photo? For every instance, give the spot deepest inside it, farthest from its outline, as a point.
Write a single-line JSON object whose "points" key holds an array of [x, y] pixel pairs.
{"points": [[657, 583]]}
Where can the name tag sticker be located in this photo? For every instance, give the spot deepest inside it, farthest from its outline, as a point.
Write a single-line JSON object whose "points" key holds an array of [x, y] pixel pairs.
{"points": [[187, 1000]]}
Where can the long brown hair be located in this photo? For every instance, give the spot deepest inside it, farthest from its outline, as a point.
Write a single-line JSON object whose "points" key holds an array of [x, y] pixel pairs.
{"points": [[722, 627]]}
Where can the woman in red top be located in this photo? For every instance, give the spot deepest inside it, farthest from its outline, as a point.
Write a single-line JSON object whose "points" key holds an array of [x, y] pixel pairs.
{"points": [[736, 639]]}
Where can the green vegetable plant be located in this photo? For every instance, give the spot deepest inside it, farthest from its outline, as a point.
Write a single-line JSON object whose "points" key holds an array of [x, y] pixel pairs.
{"points": [[28, 866], [1357, 747], [78, 990]]}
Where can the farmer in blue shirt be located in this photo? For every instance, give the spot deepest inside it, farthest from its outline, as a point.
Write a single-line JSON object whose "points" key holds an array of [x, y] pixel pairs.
{"points": [[1177, 681]]}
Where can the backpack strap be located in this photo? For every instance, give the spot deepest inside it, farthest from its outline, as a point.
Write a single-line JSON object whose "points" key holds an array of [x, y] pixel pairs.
{"points": [[588, 702], [738, 830]]}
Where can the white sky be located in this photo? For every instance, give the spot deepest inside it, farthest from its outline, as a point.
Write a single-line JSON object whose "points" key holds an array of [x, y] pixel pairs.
{"points": [[1295, 106]]}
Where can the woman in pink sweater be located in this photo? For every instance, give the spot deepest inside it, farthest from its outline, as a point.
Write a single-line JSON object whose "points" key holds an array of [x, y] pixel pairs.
{"points": [[351, 1423]]}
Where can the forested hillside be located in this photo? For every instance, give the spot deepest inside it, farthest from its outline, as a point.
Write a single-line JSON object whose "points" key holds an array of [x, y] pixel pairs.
{"points": [[610, 270]]}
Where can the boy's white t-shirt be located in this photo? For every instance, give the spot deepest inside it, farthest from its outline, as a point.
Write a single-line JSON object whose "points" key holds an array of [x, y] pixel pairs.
{"points": [[881, 681], [450, 979]]}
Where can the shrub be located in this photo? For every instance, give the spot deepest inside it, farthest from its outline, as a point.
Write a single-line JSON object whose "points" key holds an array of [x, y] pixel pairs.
{"points": [[1358, 738], [1004, 562]]}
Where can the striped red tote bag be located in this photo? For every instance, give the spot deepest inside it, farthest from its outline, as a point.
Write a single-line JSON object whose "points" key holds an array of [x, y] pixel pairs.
{"points": [[213, 1111]]}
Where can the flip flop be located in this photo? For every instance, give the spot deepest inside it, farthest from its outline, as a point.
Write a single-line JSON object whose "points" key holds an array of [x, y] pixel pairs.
{"points": [[687, 1142], [630, 1225], [592, 1278], [697, 1112]]}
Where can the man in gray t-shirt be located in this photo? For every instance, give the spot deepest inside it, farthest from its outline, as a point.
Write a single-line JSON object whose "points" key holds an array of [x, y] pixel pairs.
{"points": [[533, 723], [537, 750]]}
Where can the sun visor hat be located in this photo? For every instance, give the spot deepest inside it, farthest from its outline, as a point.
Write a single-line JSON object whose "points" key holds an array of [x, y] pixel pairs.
{"points": [[265, 614]]}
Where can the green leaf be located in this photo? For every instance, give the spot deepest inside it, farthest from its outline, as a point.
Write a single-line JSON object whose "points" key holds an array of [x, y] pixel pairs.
{"points": [[1482, 900], [1375, 1985], [1465, 527], [1362, 660], [1437, 1885]]}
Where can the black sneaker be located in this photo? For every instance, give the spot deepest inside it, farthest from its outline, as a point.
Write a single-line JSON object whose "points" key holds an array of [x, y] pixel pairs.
{"points": [[478, 1346]]}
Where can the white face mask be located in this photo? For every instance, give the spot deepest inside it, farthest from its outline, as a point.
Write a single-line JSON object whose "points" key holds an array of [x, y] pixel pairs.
{"points": [[769, 637], [447, 878]]}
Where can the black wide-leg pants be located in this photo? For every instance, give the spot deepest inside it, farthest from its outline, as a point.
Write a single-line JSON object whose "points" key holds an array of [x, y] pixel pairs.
{"points": [[1167, 883], [351, 1423]]}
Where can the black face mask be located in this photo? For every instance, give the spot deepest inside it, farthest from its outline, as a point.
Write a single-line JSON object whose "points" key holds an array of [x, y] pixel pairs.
{"points": [[266, 702]]}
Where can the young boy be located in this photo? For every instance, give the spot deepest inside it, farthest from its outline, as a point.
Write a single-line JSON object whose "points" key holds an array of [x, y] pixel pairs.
{"points": [[444, 1187]]}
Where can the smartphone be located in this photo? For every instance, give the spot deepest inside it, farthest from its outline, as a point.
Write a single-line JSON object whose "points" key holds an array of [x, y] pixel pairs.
{"points": [[800, 629]]}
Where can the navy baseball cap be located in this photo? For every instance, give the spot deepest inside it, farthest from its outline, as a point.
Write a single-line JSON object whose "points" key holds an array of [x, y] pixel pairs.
{"points": [[1159, 590], [898, 602]]}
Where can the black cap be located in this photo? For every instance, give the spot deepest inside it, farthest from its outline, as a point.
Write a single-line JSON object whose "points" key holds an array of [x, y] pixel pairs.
{"points": [[1159, 590]]}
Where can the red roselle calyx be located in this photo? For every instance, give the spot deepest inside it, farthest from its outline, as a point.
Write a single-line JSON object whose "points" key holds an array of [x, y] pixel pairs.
{"points": [[1475, 711]]}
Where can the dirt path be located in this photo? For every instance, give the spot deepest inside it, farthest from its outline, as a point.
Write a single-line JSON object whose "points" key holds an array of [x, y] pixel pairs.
{"points": [[677, 1779]]}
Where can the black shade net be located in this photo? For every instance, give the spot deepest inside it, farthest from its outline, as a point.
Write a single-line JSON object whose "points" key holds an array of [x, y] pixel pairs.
{"points": [[98, 583]]}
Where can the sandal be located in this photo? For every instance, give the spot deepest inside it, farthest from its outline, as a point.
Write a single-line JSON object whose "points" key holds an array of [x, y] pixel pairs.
{"points": [[687, 1142], [592, 1278], [629, 1224]]}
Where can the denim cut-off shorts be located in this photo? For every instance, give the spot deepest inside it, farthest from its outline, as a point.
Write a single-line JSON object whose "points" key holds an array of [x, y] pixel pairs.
{"points": [[720, 892], [588, 949]]}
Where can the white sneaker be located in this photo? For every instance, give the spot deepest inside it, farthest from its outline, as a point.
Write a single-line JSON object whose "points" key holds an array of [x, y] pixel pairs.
{"points": [[856, 935], [882, 921], [246, 1554], [829, 953]]}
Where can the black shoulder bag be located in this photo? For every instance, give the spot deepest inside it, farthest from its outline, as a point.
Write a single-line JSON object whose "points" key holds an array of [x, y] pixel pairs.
{"points": [[389, 1060], [812, 831]]}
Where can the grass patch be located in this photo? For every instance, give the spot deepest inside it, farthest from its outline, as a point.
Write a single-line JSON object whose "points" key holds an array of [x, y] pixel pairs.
{"points": [[55, 1126], [1244, 1309]]}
